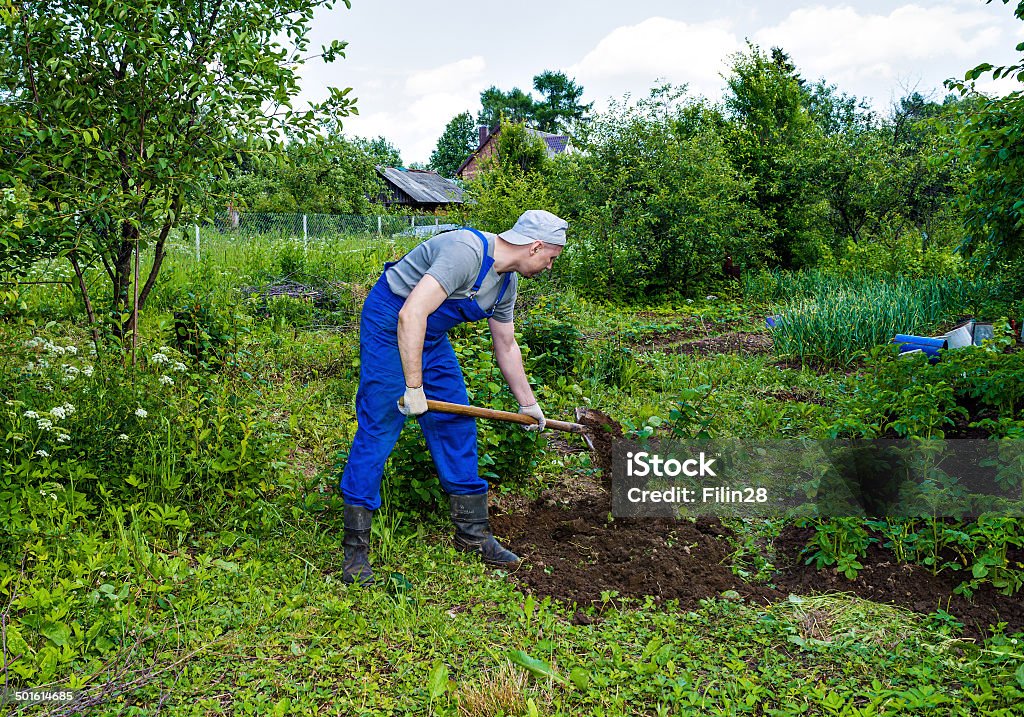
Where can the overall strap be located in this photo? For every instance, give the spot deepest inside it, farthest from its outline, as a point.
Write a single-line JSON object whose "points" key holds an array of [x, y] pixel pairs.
{"points": [[485, 266]]}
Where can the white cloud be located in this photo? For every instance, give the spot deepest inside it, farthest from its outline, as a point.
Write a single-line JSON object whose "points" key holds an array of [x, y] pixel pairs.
{"points": [[633, 57], [884, 55], [446, 77], [427, 101]]}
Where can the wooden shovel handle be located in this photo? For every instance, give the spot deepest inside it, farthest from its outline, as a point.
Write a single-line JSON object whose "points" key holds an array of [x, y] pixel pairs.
{"points": [[460, 410]]}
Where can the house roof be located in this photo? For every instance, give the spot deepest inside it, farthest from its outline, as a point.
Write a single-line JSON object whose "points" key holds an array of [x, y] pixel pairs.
{"points": [[422, 185], [555, 143]]}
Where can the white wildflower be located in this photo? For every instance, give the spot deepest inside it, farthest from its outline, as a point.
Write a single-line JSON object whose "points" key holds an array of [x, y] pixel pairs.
{"points": [[45, 424], [43, 363], [123, 437], [71, 350], [710, 297], [42, 454], [58, 412], [87, 370], [30, 366], [55, 349], [166, 380], [31, 414], [165, 349], [179, 366], [63, 437], [159, 358], [68, 409], [141, 412], [33, 342]]}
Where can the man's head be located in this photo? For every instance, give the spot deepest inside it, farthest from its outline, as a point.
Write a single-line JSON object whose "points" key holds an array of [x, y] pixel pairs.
{"points": [[538, 236]]}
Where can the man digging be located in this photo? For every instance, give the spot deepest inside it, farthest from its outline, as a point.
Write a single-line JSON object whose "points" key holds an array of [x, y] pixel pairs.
{"points": [[455, 277]]}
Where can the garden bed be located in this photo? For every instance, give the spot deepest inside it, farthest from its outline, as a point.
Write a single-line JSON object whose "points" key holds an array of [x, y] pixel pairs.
{"points": [[574, 552]]}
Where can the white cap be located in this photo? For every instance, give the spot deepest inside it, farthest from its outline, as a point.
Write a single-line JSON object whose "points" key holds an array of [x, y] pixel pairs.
{"points": [[537, 225]]}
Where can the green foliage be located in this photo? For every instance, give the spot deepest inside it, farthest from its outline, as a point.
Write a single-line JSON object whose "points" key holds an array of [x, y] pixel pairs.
{"points": [[554, 345], [908, 398], [518, 150], [774, 142], [990, 139], [111, 169], [455, 144], [379, 151], [560, 109], [497, 106], [204, 334], [324, 174], [498, 198], [653, 203]]}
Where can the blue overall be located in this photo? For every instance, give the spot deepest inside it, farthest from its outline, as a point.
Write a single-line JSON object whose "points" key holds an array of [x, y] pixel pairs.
{"points": [[451, 439]]}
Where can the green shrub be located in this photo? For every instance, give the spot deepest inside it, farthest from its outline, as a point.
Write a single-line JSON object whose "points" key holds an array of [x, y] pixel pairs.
{"points": [[554, 345]]}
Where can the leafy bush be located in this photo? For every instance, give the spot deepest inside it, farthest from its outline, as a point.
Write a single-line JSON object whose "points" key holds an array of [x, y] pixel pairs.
{"points": [[205, 334], [554, 345], [654, 205]]}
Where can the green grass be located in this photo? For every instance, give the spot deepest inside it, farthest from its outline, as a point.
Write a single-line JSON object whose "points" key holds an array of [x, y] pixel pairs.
{"points": [[267, 626]]}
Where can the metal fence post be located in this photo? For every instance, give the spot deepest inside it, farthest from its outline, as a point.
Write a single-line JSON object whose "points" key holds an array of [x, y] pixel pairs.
{"points": [[378, 225], [197, 242], [305, 232]]}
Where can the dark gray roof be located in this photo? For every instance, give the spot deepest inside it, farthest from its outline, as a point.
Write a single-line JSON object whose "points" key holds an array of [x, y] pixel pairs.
{"points": [[423, 186]]}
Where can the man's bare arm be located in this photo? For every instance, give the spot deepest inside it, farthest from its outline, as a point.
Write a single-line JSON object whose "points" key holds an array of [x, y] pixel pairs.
{"points": [[422, 301]]}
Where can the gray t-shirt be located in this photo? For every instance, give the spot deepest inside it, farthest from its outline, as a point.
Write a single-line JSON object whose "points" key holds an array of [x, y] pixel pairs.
{"points": [[454, 259]]}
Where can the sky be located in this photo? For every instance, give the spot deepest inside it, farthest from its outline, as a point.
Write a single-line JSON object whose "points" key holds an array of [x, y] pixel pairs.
{"points": [[414, 65]]}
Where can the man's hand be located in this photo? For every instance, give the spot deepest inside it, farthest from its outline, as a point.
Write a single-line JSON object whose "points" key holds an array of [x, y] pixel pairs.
{"points": [[414, 403], [534, 411]]}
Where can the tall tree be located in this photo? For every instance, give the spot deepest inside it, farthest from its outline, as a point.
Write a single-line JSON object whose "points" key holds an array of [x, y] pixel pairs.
{"points": [[561, 106], [773, 142], [514, 105], [126, 110], [991, 140], [457, 142], [379, 151]]}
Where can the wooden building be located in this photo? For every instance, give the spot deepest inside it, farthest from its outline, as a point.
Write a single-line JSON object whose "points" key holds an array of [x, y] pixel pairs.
{"points": [[418, 189]]}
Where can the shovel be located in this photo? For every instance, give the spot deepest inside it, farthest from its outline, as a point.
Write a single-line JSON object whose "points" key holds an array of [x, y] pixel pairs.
{"points": [[507, 416], [597, 429]]}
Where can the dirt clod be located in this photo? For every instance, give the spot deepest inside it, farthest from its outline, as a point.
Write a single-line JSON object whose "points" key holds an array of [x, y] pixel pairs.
{"points": [[603, 431]]}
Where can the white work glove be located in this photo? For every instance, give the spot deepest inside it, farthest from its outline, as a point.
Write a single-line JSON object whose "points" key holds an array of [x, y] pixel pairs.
{"points": [[415, 402], [534, 411]]}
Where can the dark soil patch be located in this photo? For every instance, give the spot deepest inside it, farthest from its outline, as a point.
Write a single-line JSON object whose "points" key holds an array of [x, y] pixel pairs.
{"points": [[913, 587], [572, 552], [686, 327], [735, 342]]}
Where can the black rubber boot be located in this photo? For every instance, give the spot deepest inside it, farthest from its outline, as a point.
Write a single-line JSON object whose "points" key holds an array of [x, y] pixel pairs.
{"points": [[473, 531], [357, 546]]}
